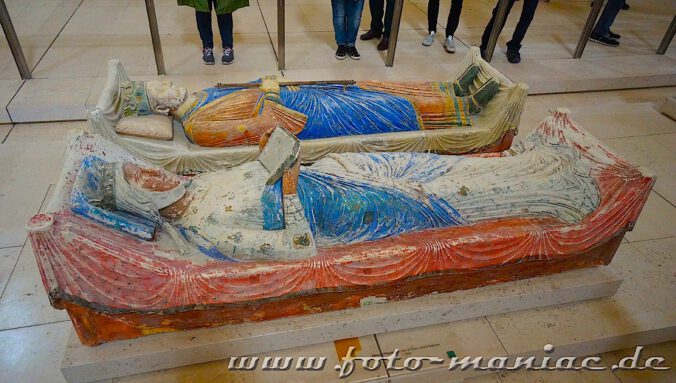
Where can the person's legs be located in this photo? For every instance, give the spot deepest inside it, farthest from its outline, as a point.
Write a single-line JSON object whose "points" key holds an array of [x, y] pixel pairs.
{"points": [[432, 15], [339, 21], [607, 18], [489, 27], [204, 27], [376, 10], [527, 13], [453, 17], [353, 10], [389, 13], [225, 26]]}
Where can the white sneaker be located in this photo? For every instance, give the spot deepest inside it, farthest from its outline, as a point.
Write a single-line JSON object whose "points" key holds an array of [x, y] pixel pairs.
{"points": [[429, 39], [449, 45]]}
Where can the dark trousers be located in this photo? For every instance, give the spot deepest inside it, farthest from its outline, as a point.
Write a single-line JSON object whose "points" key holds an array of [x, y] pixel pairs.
{"points": [[527, 13], [204, 27], [453, 16], [607, 18], [376, 8]]}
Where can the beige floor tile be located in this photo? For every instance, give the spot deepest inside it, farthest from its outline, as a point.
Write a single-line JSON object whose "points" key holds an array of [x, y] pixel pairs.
{"points": [[588, 74], [615, 121], [490, 378], [136, 56], [213, 372], [87, 21], [4, 131], [25, 302], [253, 52], [654, 96], [316, 50], [641, 304], [665, 350], [31, 18], [604, 376], [72, 56], [534, 112], [409, 48], [218, 371], [656, 220], [57, 99], [311, 17], [29, 150], [33, 354], [52, 134], [329, 373], [655, 152], [181, 20], [8, 258], [33, 47], [8, 89], [471, 337]]}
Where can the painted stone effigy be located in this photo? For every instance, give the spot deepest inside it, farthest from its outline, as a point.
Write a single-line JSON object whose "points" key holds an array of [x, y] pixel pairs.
{"points": [[129, 249], [477, 110], [240, 115]]}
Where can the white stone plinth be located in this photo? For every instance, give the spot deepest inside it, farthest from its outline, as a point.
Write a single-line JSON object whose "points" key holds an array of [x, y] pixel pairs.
{"points": [[158, 352]]}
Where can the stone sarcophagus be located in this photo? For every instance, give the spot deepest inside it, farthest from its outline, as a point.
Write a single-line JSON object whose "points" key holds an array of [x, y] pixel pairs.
{"points": [[477, 110], [129, 249]]}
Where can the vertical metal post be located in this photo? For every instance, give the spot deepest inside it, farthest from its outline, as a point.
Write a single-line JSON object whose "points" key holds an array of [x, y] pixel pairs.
{"points": [[13, 42], [588, 27], [155, 35], [281, 36], [666, 40], [394, 32], [498, 23]]}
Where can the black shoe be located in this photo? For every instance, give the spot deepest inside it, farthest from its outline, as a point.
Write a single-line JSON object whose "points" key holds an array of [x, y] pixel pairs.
{"points": [[208, 56], [613, 35], [353, 53], [370, 35], [340, 52], [228, 56], [384, 44], [513, 56], [604, 40], [625, 6]]}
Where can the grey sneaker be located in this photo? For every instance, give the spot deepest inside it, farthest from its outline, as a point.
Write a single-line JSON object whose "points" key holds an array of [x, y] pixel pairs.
{"points": [[228, 56], [429, 39], [208, 56], [449, 45]]}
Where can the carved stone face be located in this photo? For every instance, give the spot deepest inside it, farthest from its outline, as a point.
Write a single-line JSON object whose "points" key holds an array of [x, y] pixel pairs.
{"points": [[164, 97], [149, 179]]}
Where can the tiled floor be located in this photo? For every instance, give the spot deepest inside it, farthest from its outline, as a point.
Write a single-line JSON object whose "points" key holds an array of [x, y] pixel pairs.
{"points": [[32, 334], [67, 42]]}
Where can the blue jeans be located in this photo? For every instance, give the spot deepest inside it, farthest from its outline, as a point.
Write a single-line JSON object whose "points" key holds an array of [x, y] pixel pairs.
{"points": [[346, 19], [607, 18]]}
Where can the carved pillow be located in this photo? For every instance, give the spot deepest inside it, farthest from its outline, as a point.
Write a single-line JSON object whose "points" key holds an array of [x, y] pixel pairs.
{"points": [[154, 126]]}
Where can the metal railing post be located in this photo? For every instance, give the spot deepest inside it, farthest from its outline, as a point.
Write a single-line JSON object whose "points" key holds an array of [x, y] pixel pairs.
{"points": [[155, 35], [498, 23], [588, 27], [666, 40], [281, 35], [394, 32], [13, 42]]}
